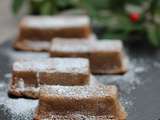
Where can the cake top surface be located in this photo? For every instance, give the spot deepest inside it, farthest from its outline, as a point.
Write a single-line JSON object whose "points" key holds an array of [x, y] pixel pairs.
{"points": [[66, 65], [36, 44], [70, 45], [107, 45], [77, 45], [79, 91], [56, 21]]}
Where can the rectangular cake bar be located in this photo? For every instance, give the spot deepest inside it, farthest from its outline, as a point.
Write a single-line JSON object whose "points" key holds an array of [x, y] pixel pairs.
{"points": [[57, 71], [46, 28], [106, 56], [79, 102], [63, 47]]}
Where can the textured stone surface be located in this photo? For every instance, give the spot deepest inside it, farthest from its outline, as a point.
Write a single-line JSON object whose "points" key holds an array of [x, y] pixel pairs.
{"points": [[7, 21]]}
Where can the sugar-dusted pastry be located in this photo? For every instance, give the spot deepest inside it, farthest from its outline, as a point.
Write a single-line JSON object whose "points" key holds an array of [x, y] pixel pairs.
{"points": [[28, 75], [106, 56], [44, 28], [94, 102], [63, 47]]}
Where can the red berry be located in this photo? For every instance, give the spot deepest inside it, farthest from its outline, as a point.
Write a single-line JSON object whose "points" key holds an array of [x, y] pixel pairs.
{"points": [[134, 17]]}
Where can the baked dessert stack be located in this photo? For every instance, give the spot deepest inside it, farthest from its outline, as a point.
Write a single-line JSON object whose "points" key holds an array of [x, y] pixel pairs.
{"points": [[36, 32], [94, 102], [64, 84], [28, 75], [71, 36], [105, 56], [66, 90]]}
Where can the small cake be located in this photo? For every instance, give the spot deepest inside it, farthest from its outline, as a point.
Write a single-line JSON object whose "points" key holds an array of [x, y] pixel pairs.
{"points": [[79, 102], [63, 47], [44, 28], [66, 71], [28, 75], [106, 56]]}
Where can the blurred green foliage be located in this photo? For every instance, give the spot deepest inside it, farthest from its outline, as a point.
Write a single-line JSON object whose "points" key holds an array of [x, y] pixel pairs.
{"points": [[114, 15]]}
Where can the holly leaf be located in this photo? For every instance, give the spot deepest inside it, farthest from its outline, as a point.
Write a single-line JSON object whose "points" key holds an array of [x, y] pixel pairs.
{"points": [[153, 34], [47, 8], [16, 5]]}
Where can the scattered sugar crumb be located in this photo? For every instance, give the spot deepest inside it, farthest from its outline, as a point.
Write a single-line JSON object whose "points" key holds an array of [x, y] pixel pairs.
{"points": [[23, 109], [8, 75], [126, 82]]}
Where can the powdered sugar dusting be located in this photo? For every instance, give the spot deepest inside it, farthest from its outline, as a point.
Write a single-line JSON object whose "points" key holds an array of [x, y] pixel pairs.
{"points": [[70, 45], [20, 106], [128, 81], [33, 65], [76, 65], [78, 91], [18, 109], [67, 65], [15, 109], [108, 45], [57, 21], [80, 46]]}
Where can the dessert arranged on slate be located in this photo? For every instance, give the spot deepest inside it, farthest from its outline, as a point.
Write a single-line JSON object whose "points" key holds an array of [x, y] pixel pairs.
{"points": [[35, 32], [106, 56], [95, 102], [66, 89], [28, 75], [64, 85]]}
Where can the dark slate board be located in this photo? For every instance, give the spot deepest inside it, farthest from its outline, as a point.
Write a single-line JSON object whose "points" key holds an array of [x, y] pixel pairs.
{"points": [[139, 88]]}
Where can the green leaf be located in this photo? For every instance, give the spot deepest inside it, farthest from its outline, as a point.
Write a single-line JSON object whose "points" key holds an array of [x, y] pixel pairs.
{"points": [[116, 22], [88, 6], [153, 34], [46, 8], [115, 35], [63, 3], [16, 5]]}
